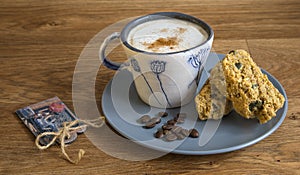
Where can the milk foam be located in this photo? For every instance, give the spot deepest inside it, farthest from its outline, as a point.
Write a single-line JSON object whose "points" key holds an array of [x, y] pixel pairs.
{"points": [[166, 35]]}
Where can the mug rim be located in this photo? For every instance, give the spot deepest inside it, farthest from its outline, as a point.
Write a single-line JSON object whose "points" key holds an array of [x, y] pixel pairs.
{"points": [[164, 15]]}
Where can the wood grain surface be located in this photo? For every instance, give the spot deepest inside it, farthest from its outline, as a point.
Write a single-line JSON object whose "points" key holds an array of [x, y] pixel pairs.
{"points": [[40, 42]]}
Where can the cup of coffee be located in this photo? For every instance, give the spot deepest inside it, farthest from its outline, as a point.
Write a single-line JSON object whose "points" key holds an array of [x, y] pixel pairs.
{"points": [[166, 52]]}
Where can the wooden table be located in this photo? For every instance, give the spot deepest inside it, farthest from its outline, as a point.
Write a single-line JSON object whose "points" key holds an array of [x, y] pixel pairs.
{"points": [[42, 40]]}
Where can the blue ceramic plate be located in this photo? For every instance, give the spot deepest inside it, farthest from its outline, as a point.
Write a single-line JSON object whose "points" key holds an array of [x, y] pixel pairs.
{"points": [[122, 106]]}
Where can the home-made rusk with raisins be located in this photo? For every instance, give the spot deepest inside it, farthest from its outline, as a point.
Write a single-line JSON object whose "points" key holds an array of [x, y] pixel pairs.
{"points": [[208, 108], [251, 92], [211, 102]]}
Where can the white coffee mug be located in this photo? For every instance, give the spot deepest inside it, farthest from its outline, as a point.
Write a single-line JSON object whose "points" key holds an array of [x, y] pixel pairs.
{"points": [[164, 80]]}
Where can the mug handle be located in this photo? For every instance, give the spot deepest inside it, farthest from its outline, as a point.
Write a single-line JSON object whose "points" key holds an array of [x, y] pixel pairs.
{"points": [[107, 62]]}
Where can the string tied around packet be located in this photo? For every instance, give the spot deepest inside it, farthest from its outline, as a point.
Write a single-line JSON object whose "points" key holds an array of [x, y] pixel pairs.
{"points": [[65, 132]]}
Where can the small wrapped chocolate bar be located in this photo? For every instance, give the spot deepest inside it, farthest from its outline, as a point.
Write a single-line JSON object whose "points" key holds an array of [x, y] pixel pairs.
{"points": [[48, 116]]}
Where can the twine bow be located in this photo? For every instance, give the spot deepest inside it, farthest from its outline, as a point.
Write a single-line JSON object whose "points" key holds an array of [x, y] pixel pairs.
{"points": [[65, 132]]}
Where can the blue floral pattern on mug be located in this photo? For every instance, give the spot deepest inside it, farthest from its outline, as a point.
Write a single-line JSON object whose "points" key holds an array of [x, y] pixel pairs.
{"points": [[195, 59], [135, 65], [158, 67]]}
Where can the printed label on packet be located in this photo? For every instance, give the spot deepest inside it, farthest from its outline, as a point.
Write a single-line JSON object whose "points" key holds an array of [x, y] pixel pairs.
{"points": [[48, 116]]}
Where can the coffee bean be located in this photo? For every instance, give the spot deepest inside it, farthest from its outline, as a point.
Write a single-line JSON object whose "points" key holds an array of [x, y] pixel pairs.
{"points": [[167, 127], [149, 125], [170, 137], [180, 136], [155, 120], [171, 122], [194, 133], [185, 132], [166, 132], [164, 127], [159, 134], [176, 129], [162, 114], [144, 119], [169, 131]]}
